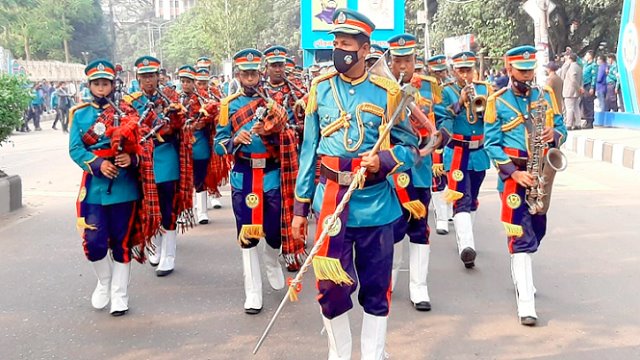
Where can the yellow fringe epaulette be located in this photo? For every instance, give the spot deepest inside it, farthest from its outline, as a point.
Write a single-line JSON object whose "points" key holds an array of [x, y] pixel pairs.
{"points": [[223, 118], [81, 225], [248, 232], [490, 111], [393, 100], [513, 230], [452, 195], [327, 268], [73, 110], [436, 88], [312, 100], [130, 98], [416, 209]]}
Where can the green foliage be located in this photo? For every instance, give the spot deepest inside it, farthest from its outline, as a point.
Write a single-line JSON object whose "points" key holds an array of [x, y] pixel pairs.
{"points": [[14, 99]]}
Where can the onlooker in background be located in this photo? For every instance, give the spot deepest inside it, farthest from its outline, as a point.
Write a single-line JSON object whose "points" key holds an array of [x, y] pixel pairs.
{"points": [[589, 76], [571, 91], [502, 80], [54, 106], [35, 108], [85, 93], [64, 104], [46, 95], [601, 82], [611, 100], [555, 82]]}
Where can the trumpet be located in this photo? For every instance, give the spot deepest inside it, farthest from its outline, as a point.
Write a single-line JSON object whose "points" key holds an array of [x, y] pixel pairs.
{"points": [[478, 103]]}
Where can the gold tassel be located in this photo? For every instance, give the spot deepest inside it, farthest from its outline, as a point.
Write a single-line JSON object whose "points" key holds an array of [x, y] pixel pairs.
{"points": [[223, 118], [81, 226], [248, 232], [386, 142], [416, 208], [293, 294], [513, 230], [327, 268], [452, 195], [312, 100], [490, 115]]}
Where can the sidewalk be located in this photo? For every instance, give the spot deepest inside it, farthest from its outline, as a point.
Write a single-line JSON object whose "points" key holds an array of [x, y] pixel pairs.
{"points": [[615, 145]]}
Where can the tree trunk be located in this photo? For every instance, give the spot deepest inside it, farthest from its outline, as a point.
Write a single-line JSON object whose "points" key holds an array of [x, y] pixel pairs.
{"points": [[65, 42], [27, 53]]}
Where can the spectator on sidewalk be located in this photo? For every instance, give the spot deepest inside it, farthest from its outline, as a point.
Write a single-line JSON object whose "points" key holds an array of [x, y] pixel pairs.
{"points": [[589, 76], [54, 106], [571, 90], [611, 100], [64, 104], [85, 93], [502, 80], [601, 82], [555, 82], [35, 108]]}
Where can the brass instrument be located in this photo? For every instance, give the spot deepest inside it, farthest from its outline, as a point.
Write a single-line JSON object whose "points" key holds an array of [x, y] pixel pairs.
{"points": [[542, 166], [478, 103]]}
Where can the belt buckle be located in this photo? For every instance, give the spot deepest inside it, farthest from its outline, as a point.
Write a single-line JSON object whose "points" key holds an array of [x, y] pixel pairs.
{"points": [[474, 144], [258, 163], [345, 178]]}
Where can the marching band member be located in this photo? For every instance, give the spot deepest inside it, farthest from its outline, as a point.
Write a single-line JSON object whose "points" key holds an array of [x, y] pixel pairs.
{"points": [[375, 53], [172, 159], [443, 210], [465, 159], [345, 115], [100, 142], [254, 129], [508, 123], [413, 185], [419, 68]]}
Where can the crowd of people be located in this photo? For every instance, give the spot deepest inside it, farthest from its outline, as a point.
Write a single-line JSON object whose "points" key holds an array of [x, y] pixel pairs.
{"points": [[50, 98]]}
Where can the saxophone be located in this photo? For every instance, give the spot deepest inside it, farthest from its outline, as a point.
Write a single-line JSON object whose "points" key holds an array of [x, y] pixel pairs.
{"points": [[543, 163]]}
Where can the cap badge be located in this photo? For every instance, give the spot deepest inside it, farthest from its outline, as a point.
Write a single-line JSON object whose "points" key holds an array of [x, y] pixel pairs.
{"points": [[526, 55], [465, 57], [145, 62], [276, 52], [101, 67], [402, 42], [342, 18], [250, 57]]}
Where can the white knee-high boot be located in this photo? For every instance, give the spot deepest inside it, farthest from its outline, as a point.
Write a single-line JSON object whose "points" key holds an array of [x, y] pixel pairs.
{"points": [[154, 254], [168, 253], [441, 212], [339, 336], [397, 263], [119, 288], [252, 281], [522, 273], [201, 207], [464, 236], [372, 339], [101, 294], [273, 267], [418, 271]]}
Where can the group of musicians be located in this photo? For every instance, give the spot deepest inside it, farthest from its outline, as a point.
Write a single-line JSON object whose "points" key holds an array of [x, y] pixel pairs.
{"points": [[291, 150]]}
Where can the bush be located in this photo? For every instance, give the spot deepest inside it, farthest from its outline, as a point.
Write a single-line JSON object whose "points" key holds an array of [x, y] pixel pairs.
{"points": [[14, 100]]}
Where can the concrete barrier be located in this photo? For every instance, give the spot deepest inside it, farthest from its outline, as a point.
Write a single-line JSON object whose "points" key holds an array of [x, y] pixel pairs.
{"points": [[10, 194]]}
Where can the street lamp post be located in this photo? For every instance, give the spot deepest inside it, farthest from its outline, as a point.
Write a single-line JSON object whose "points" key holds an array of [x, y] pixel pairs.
{"points": [[85, 56]]}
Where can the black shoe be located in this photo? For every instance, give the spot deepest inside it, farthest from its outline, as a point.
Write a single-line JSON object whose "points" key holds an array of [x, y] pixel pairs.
{"points": [[589, 126], [38, 129], [161, 273], [119, 313], [422, 306], [203, 222], [252, 311], [153, 265], [54, 128], [441, 232], [468, 257], [528, 321]]}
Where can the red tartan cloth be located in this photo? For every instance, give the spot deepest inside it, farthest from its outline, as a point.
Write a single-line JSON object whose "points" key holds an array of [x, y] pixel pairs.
{"points": [[293, 251], [219, 166]]}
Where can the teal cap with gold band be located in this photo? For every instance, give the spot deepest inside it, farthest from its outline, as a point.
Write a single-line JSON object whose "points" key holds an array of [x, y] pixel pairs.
{"points": [[203, 62], [402, 45], [351, 22], [275, 54], [248, 59], [100, 69], [187, 71], [521, 57], [290, 64], [419, 63], [202, 74], [376, 52], [437, 63], [147, 64], [464, 59]]}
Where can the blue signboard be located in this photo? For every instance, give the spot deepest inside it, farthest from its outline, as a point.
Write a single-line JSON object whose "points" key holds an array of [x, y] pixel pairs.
{"points": [[315, 19]]}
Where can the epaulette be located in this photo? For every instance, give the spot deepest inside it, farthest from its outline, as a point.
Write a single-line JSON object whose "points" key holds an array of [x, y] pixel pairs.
{"points": [[389, 85], [130, 98], [312, 100], [75, 108], [490, 112], [224, 108], [436, 90]]}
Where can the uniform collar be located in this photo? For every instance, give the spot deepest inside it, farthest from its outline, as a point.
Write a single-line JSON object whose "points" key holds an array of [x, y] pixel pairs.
{"points": [[354, 82]]}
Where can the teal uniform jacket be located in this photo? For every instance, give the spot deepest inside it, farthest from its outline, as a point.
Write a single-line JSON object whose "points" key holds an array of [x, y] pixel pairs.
{"points": [[612, 75], [223, 143], [201, 147], [166, 165], [364, 102], [459, 122], [504, 126], [590, 74], [125, 186]]}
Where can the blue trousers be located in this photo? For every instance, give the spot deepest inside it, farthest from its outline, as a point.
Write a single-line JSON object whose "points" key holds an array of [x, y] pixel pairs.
{"points": [[534, 228], [469, 202], [166, 195], [200, 168], [113, 224], [270, 219], [417, 229], [373, 248]]}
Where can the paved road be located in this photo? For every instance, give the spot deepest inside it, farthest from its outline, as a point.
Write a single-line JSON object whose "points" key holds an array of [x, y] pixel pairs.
{"points": [[587, 275]]}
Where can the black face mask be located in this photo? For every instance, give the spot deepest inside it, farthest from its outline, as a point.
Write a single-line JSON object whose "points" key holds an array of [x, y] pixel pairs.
{"points": [[249, 91], [521, 86], [101, 101], [344, 60]]}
